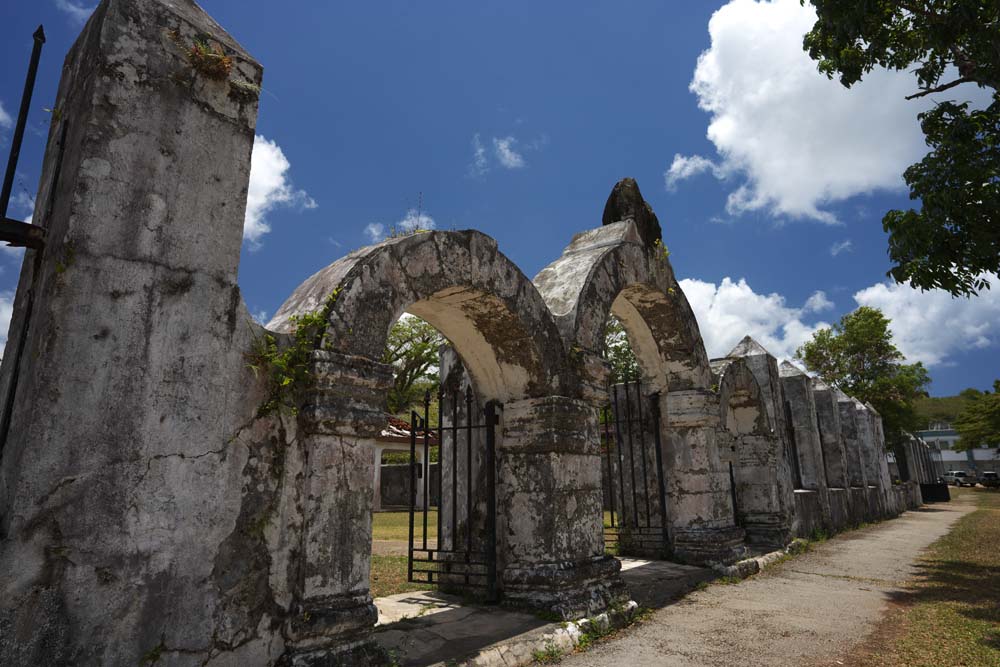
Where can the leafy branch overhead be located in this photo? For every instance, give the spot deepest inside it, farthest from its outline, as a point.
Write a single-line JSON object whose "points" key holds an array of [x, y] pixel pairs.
{"points": [[953, 239]]}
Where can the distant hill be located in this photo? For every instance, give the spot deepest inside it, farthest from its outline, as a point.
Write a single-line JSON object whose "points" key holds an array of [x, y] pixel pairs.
{"points": [[942, 408]]}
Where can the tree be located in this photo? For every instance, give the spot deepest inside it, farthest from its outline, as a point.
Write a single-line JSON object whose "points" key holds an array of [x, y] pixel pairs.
{"points": [[618, 352], [953, 239], [412, 351], [858, 357], [979, 423]]}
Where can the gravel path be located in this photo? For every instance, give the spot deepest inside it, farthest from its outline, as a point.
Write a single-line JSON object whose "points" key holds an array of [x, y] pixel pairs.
{"points": [[811, 610]]}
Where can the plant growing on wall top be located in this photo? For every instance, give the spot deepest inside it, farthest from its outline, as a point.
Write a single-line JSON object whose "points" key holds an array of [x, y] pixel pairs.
{"points": [[286, 368]]}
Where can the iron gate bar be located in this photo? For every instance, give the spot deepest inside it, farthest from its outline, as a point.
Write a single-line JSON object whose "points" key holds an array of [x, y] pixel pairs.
{"points": [[492, 421], [664, 524], [14, 232], [642, 534], [413, 490], [426, 470], [468, 475], [611, 473], [454, 462], [427, 563], [645, 477]]}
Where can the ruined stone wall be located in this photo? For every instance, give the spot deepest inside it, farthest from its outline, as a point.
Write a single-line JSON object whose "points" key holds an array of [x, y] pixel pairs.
{"points": [[149, 507]]}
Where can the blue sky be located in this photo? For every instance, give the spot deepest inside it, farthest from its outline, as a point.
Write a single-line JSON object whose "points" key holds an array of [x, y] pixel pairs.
{"points": [[769, 181]]}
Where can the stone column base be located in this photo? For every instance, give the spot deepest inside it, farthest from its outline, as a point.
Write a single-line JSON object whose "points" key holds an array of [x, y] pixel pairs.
{"points": [[572, 590], [768, 530], [333, 631], [701, 546]]}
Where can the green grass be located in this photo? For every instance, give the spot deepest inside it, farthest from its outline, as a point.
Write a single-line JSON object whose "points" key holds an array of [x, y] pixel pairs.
{"points": [[951, 616], [388, 577], [396, 525]]}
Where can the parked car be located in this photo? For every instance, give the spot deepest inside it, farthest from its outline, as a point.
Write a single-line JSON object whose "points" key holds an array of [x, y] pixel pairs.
{"points": [[959, 478], [990, 479]]}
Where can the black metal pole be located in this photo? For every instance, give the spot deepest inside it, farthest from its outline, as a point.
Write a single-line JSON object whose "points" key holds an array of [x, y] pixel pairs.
{"points": [[22, 118], [491, 504], [662, 488], [642, 449], [413, 489], [427, 464], [468, 480]]}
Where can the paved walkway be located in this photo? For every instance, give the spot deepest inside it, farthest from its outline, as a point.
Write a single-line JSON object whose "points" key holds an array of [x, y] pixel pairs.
{"points": [[428, 627], [811, 610]]}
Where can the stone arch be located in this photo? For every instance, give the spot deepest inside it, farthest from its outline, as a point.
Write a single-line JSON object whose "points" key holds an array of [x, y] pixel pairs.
{"points": [[752, 450], [457, 281], [613, 270], [609, 270]]}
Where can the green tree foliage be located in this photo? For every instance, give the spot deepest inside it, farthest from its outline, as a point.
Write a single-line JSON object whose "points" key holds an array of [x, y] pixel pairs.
{"points": [[412, 351], [953, 239], [979, 423], [618, 352], [858, 357], [943, 408]]}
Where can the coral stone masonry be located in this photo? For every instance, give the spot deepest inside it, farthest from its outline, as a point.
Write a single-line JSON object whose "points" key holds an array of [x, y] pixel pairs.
{"points": [[150, 509]]}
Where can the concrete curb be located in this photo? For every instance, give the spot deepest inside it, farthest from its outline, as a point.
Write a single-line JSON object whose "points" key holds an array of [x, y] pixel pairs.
{"points": [[751, 566], [552, 638]]}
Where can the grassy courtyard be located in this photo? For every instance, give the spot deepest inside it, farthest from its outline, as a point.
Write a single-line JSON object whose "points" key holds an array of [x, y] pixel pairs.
{"points": [[951, 616]]}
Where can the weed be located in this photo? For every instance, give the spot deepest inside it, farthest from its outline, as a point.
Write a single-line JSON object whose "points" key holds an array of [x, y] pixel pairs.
{"points": [[153, 655], [287, 368], [207, 57], [549, 654]]}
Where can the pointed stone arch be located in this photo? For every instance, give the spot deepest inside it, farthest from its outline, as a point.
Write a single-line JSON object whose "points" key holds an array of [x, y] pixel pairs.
{"points": [[623, 269]]}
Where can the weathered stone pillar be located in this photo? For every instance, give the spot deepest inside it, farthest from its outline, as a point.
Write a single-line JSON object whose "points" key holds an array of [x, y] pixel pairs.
{"points": [[333, 616], [882, 463], [764, 367], [136, 487], [699, 500], [551, 539], [813, 496], [869, 459], [834, 454], [828, 423]]}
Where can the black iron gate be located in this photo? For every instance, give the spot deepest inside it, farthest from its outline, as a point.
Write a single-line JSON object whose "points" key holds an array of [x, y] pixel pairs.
{"points": [[635, 493], [457, 547]]}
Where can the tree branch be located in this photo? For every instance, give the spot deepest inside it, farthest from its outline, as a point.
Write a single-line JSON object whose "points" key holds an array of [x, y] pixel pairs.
{"points": [[941, 88]]}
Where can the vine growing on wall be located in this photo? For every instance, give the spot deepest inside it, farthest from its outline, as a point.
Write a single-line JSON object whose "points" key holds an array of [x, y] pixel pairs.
{"points": [[286, 367]]}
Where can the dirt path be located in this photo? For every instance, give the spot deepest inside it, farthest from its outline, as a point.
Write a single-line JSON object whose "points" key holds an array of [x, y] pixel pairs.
{"points": [[812, 610]]}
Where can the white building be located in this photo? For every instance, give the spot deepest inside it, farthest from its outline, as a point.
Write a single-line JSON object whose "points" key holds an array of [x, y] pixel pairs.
{"points": [[942, 439]]}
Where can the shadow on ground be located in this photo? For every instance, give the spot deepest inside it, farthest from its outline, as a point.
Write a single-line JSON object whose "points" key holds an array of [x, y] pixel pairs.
{"points": [[428, 627]]}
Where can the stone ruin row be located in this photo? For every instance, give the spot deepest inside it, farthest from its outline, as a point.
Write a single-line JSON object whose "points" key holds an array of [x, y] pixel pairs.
{"points": [[148, 508]]}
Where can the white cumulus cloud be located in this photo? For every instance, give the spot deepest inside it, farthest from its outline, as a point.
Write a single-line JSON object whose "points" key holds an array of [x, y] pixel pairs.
{"points": [[77, 12], [793, 140], [684, 167], [731, 310], [480, 163], [932, 326], [270, 187], [413, 220], [375, 231], [841, 246], [6, 312], [506, 153], [6, 122]]}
